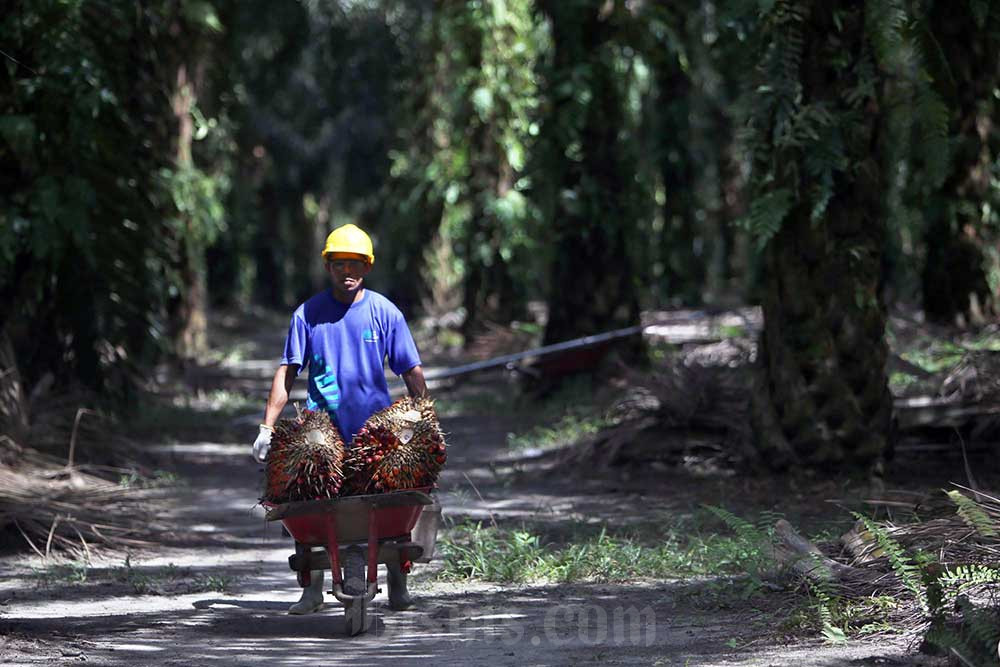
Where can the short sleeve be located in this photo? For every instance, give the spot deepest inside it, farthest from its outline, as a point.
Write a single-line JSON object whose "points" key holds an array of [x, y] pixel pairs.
{"points": [[400, 348], [297, 342]]}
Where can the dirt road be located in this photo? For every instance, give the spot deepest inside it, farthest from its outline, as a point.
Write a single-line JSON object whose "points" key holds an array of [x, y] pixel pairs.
{"points": [[163, 606]]}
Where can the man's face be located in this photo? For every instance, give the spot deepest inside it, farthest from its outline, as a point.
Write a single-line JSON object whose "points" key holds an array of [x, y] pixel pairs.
{"points": [[347, 274]]}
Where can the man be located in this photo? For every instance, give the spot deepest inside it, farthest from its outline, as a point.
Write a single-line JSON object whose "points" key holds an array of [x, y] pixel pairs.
{"points": [[344, 335]]}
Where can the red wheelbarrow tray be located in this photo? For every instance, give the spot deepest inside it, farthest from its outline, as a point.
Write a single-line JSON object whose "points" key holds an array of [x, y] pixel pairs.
{"points": [[376, 519]]}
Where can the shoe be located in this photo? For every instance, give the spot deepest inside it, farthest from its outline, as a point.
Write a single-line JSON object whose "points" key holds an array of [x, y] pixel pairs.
{"points": [[312, 595], [399, 598]]}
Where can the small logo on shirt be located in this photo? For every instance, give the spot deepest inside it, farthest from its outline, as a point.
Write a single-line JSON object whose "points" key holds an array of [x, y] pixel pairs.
{"points": [[369, 336]]}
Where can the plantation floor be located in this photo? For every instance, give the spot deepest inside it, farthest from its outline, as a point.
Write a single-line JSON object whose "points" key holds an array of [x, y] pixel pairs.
{"points": [[215, 592]]}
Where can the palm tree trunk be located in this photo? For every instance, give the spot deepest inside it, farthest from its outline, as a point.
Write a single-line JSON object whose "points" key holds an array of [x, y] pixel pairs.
{"points": [[822, 397]]}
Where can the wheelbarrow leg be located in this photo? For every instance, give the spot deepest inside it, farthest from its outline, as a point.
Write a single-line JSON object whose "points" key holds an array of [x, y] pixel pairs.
{"points": [[349, 585], [356, 615]]}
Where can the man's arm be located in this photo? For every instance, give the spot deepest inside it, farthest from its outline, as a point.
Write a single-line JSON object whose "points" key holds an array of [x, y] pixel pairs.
{"points": [[281, 387], [415, 384]]}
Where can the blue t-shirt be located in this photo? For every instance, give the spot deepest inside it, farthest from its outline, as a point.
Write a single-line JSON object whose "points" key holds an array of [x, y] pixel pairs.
{"points": [[345, 347]]}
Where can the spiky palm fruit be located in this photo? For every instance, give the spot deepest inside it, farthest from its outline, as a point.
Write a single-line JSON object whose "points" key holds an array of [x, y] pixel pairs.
{"points": [[306, 459], [400, 447]]}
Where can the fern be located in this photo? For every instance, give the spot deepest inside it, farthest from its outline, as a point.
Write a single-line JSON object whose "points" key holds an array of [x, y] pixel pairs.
{"points": [[909, 573], [973, 515], [930, 118], [824, 610], [974, 641], [885, 21], [963, 578], [767, 213], [744, 530]]}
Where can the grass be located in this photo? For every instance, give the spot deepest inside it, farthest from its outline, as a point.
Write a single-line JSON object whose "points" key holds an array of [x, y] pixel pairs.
{"points": [[474, 399], [171, 579], [185, 412], [159, 479], [72, 572], [939, 357], [899, 382], [475, 551], [572, 413], [568, 429]]}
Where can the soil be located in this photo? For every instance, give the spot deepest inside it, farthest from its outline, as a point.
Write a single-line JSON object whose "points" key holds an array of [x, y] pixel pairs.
{"points": [[161, 607]]}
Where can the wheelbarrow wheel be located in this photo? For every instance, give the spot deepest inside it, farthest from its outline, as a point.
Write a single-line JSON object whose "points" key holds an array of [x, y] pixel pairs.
{"points": [[356, 616]]}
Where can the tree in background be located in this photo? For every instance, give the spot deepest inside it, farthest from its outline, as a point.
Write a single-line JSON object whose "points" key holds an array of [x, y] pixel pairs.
{"points": [[696, 67], [498, 51], [413, 199], [459, 161], [88, 206], [959, 199], [587, 190], [311, 89], [815, 125], [197, 194], [683, 273]]}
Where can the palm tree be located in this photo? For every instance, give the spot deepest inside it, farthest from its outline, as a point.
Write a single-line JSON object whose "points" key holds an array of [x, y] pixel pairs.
{"points": [[815, 124]]}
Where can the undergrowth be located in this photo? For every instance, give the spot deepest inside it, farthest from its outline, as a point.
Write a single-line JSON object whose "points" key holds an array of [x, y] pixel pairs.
{"points": [[168, 580], [475, 551], [955, 606]]}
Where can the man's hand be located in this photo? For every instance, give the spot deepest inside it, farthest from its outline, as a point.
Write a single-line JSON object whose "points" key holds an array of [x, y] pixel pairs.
{"points": [[262, 444]]}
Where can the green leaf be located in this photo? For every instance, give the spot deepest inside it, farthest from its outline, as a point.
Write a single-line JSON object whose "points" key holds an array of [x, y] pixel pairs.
{"points": [[980, 11], [766, 215], [19, 133], [973, 515], [482, 100], [833, 634], [201, 13]]}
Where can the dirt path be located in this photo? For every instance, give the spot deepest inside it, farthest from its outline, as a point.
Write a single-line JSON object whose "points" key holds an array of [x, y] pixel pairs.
{"points": [[162, 607]]}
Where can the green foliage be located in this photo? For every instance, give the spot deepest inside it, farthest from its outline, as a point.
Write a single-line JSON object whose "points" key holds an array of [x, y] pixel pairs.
{"points": [[908, 571], [459, 157], [824, 610], [766, 214], [83, 215], [973, 514], [755, 541], [569, 429], [798, 137], [975, 639], [472, 551]]}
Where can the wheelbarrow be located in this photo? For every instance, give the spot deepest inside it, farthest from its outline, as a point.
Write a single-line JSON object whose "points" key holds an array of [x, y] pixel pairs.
{"points": [[358, 533]]}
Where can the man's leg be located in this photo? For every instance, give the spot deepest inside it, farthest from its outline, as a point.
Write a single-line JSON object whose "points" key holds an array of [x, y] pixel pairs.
{"points": [[312, 595], [399, 598]]}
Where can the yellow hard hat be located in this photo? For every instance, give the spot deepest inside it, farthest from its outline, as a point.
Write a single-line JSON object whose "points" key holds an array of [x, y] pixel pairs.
{"points": [[349, 239]]}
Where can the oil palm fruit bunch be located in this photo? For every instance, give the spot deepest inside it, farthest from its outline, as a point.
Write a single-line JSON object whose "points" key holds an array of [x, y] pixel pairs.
{"points": [[400, 447], [306, 459]]}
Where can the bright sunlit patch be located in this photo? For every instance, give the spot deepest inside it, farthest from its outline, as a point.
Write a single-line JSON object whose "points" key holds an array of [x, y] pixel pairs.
{"points": [[203, 528], [136, 647]]}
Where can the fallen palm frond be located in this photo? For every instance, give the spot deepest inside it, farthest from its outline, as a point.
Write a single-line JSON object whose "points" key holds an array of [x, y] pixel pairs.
{"points": [[69, 510], [47, 500], [937, 578]]}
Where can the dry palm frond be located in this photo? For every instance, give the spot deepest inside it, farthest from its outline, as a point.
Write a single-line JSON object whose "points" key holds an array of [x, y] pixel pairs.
{"points": [[69, 510], [924, 565]]}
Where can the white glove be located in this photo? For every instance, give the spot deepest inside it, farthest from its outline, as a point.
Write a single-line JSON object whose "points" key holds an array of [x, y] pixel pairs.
{"points": [[262, 444]]}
